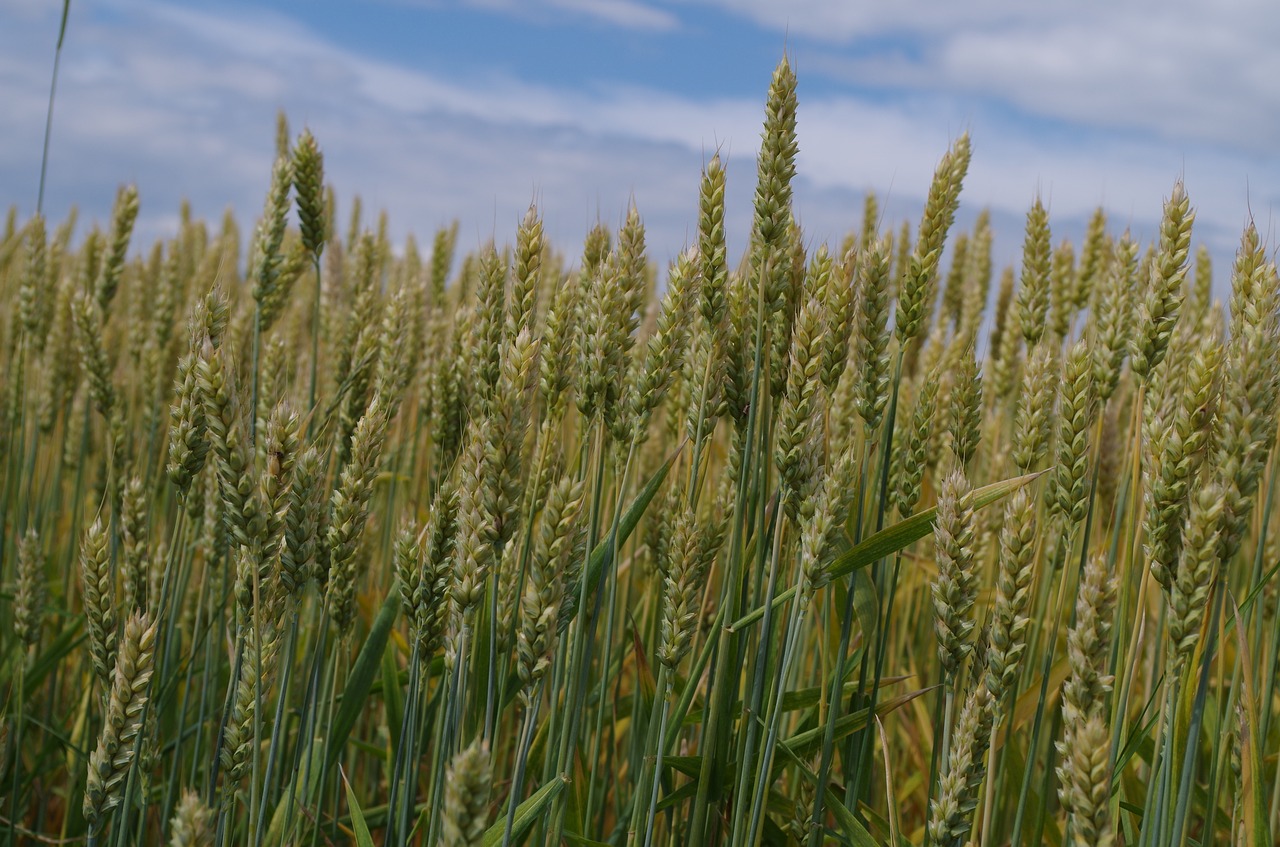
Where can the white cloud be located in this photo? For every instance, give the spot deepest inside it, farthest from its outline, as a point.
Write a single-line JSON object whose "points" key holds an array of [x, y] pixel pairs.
{"points": [[1180, 69]]}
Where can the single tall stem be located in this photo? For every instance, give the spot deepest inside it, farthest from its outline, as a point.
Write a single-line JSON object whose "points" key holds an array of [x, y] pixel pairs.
{"points": [[48, 120]]}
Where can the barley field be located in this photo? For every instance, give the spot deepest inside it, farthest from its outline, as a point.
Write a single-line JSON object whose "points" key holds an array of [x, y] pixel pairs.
{"points": [[307, 540]]}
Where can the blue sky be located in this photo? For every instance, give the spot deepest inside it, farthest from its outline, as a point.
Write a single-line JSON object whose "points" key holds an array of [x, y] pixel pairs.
{"points": [[436, 109]]}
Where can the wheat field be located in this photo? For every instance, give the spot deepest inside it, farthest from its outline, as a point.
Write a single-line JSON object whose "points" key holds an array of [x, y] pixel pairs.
{"points": [[307, 540]]}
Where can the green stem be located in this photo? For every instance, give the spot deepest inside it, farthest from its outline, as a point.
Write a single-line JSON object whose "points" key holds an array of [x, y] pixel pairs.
{"points": [[315, 349], [19, 724], [277, 737], [257, 349], [760, 678], [663, 692], [1037, 724], [522, 758], [846, 623], [48, 120], [611, 577], [583, 630], [1182, 805]]}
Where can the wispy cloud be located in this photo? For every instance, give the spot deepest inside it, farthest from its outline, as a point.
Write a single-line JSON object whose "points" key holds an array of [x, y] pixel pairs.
{"points": [[623, 13], [626, 14]]}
